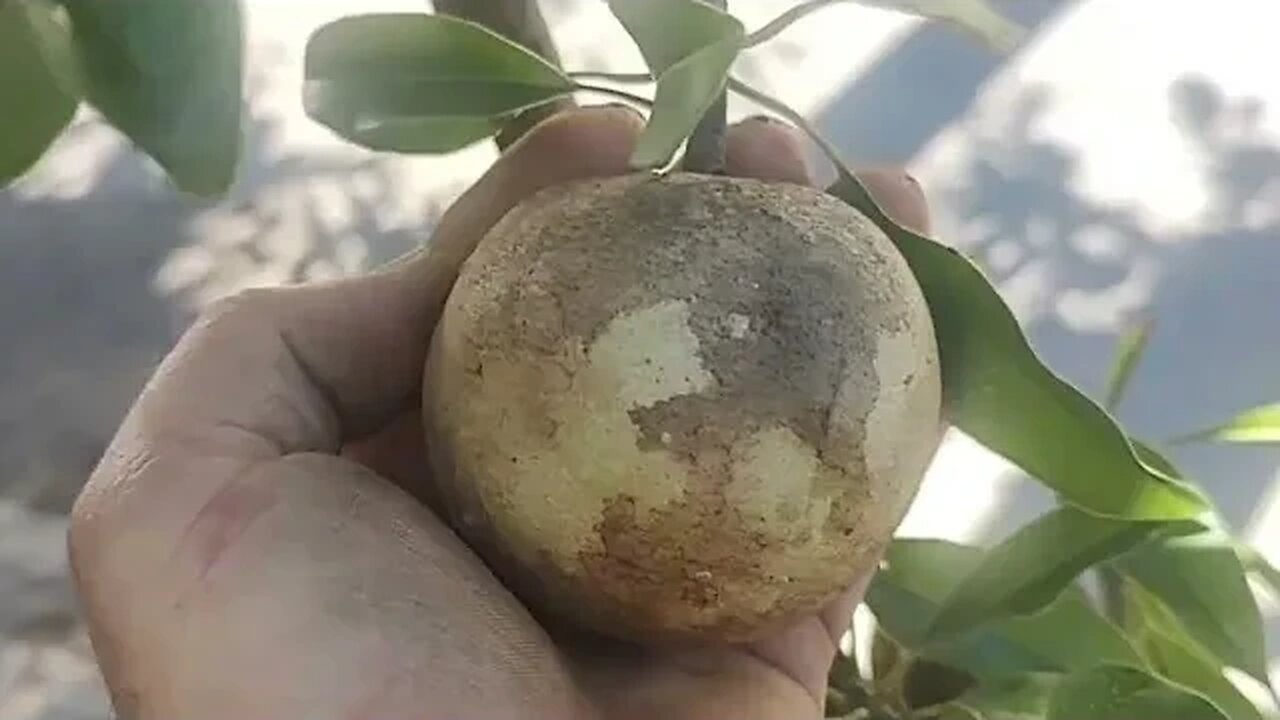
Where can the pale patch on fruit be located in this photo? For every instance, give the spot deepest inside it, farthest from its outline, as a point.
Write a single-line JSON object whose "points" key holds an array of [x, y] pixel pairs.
{"points": [[562, 482], [653, 354], [908, 386], [774, 473], [562, 479], [739, 325]]}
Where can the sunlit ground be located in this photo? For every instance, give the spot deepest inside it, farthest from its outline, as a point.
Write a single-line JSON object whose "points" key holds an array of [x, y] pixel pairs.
{"points": [[1123, 164]]}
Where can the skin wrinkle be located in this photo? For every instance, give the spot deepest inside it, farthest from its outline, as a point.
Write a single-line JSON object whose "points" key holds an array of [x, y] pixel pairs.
{"points": [[294, 411], [330, 422], [358, 413], [269, 448]]}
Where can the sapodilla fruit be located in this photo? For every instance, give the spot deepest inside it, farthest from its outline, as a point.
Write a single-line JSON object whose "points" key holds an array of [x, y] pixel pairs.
{"points": [[681, 407]]}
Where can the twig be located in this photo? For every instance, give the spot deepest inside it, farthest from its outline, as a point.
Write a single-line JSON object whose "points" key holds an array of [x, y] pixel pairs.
{"points": [[521, 22], [614, 92], [633, 78], [780, 23], [705, 150]]}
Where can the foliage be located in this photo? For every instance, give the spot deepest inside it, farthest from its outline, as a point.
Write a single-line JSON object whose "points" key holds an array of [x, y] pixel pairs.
{"points": [[34, 55], [963, 632], [166, 73], [421, 83]]}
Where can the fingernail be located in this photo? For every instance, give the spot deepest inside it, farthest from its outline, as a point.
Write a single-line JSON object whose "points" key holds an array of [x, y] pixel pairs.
{"points": [[765, 148], [899, 195]]}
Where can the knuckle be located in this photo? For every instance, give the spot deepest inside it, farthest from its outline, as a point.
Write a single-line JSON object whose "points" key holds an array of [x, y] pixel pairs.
{"points": [[233, 320], [252, 304]]}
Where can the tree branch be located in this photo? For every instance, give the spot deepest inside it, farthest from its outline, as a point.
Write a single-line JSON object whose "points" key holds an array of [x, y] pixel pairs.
{"points": [[521, 22], [704, 152]]}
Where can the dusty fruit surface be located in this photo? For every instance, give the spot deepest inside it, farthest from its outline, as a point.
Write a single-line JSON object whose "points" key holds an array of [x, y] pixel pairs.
{"points": [[682, 407]]}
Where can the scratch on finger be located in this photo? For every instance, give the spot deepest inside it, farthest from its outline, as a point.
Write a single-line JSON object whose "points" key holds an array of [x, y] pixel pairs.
{"points": [[223, 520]]}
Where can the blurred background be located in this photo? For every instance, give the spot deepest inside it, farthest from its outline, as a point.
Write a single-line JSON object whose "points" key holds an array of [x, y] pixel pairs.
{"points": [[1122, 164]]}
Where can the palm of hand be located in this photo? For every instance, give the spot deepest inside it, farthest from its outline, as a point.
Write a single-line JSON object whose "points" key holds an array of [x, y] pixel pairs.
{"points": [[781, 677], [238, 554]]}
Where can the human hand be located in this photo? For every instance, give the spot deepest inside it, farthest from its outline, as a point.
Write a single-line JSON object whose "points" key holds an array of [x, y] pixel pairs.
{"points": [[253, 546]]}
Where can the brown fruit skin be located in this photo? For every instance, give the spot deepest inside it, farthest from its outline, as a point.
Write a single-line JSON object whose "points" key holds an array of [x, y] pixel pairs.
{"points": [[681, 408]]}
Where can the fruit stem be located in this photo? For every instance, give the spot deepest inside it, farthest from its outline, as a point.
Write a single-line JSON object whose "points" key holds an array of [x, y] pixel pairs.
{"points": [[705, 150], [783, 21], [521, 22], [632, 98]]}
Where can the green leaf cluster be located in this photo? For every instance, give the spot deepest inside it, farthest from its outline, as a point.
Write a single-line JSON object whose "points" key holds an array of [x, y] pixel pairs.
{"points": [[1183, 618], [36, 75], [413, 82], [166, 73]]}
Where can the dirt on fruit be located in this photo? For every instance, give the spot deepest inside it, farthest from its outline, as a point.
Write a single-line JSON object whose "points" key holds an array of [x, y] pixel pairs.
{"points": [[682, 406]]}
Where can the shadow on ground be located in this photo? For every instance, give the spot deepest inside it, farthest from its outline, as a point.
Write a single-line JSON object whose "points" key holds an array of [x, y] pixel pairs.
{"points": [[95, 287], [921, 85]]}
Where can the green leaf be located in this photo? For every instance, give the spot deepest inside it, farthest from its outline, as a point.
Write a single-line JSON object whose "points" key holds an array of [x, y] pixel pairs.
{"points": [[167, 73], [975, 16], [845, 675], [1186, 666], [1114, 692], [36, 76], [889, 664], [1017, 697], [1129, 352], [1258, 565], [1155, 460], [689, 47], [412, 82], [1030, 569], [1177, 656], [668, 31], [928, 683], [1202, 580], [999, 393], [887, 656], [955, 711], [683, 94], [1258, 425], [1144, 612], [428, 135], [1209, 517], [919, 574]]}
